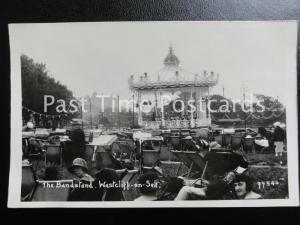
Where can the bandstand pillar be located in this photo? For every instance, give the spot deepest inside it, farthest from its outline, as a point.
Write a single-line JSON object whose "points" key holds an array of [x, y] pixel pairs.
{"points": [[192, 121], [162, 111], [140, 116]]}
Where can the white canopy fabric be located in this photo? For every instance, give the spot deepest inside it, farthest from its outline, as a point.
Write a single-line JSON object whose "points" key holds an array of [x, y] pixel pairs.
{"points": [[57, 130], [141, 135], [104, 140], [26, 134], [42, 132], [228, 131]]}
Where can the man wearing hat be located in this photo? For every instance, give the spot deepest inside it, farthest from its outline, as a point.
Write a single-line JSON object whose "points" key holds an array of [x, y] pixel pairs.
{"points": [[79, 169], [279, 139]]}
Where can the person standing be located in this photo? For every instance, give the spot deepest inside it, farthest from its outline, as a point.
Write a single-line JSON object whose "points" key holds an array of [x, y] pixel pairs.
{"points": [[279, 137]]}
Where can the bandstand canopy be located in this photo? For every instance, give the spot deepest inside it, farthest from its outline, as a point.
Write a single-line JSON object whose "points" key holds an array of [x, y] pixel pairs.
{"points": [[172, 76]]}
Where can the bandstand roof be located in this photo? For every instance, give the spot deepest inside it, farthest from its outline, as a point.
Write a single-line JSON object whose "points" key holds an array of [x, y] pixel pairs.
{"points": [[172, 76]]}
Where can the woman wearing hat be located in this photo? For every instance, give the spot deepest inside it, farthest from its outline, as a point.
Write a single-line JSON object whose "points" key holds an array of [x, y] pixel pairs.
{"points": [[79, 169], [89, 193]]}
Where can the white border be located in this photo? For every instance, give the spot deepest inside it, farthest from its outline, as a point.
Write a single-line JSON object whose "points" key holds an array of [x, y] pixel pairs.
{"points": [[16, 141]]}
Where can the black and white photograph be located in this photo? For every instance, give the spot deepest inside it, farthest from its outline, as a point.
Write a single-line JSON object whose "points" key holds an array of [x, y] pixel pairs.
{"points": [[154, 114]]}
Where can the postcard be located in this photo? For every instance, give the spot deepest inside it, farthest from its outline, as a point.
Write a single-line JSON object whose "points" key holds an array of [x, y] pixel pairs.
{"points": [[154, 114]]}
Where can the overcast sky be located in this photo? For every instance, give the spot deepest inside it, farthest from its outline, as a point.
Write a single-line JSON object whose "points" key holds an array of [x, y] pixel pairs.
{"points": [[100, 57]]}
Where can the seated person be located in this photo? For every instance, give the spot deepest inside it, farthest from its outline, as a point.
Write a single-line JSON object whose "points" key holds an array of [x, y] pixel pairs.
{"points": [[186, 191], [80, 170], [87, 193], [148, 184], [188, 144], [243, 187], [203, 143], [107, 181], [215, 189], [261, 143]]}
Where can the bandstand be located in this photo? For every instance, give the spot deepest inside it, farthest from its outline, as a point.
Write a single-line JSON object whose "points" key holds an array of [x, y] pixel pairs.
{"points": [[179, 84]]}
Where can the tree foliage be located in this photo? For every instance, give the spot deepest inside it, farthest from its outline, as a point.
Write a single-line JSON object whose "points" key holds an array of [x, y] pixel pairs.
{"points": [[36, 83]]}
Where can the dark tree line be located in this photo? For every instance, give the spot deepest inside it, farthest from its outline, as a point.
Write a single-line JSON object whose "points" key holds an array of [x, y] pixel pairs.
{"points": [[36, 83], [266, 112]]}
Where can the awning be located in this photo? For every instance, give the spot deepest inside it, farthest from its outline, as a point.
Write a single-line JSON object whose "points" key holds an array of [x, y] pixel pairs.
{"points": [[139, 135], [27, 134], [41, 132]]}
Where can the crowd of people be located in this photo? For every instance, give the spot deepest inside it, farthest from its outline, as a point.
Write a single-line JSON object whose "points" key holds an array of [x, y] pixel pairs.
{"points": [[150, 185]]}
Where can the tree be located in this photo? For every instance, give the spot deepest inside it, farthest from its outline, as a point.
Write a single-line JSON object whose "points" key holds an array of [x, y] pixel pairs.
{"points": [[269, 110], [36, 83]]}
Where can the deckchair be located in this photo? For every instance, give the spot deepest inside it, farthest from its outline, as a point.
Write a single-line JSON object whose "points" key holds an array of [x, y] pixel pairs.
{"points": [[219, 139], [28, 184], [248, 144], [193, 160], [227, 140], [236, 142], [175, 141]]}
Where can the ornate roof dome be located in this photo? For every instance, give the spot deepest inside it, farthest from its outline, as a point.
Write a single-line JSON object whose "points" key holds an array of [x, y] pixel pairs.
{"points": [[172, 75], [171, 59]]}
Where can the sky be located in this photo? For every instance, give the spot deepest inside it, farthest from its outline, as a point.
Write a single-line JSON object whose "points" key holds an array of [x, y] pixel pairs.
{"points": [[100, 56]]}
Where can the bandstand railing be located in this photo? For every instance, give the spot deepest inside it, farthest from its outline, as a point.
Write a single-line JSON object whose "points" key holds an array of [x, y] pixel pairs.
{"points": [[173, 124]]}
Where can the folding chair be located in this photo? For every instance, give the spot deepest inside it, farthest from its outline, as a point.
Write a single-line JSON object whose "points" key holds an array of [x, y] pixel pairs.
{"points": [[184, 133], [236, 142], [221, 161], [175, 141], [193, 134], [29, 184], [150, 158], [219, 139], [167, 138], [227, 140], [175, 132], [156, 144], [193, 160], [56, 190], [53, 156], [248, 144], [125, 151], [25, 147]]}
